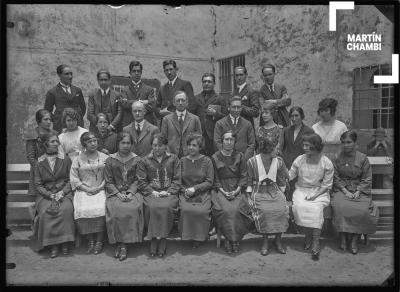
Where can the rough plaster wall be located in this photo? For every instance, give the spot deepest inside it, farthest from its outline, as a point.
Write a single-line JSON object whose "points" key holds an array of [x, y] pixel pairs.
{"points": [[89, 37], [311, 61]]}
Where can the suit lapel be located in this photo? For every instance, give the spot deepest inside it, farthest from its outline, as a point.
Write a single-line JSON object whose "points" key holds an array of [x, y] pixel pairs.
{"points": [[46, 165], [57, 166], [175, 122], [212, 99], [73, 92], [144, 131], [186, 121], [298, 135], [63, 93]]}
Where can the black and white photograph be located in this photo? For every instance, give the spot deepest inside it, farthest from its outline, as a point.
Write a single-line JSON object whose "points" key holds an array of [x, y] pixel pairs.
{"points": [[201, 145]]}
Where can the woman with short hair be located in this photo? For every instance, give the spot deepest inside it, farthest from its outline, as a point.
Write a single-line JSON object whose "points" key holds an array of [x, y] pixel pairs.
{"points": [[124, 205], [354, 213], [314, 172], [70, 137], [159, 181], [230, 210], [197, 174], [54, 212], [269, 129], [266, 181], [106, 139], [87, 181]]}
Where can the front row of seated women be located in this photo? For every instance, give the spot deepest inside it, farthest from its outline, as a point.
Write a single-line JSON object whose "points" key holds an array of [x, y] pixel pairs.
{"points": [[130, 197]]}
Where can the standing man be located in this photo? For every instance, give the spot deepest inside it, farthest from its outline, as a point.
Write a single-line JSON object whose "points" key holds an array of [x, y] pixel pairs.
{"points": [[209, 107], [165, 102], [64, 95], [103, 100], [141, 130], [137, 91], [240, 127], [178, 125], [277, 94], [249, 96]]}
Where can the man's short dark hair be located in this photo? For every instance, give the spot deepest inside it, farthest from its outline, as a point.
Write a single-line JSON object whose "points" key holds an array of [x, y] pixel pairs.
{"points": [[61, 68], [208, 75], [268, 66], [103, 71], [135, 63], [234, 98], [169, 62], [241, 67]]}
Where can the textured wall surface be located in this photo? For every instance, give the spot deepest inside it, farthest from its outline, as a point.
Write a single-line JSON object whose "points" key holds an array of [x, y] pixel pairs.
{"points": [[311, 61]]}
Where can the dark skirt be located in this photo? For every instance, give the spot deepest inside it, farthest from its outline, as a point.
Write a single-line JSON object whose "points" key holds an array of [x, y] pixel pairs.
{"points": [[159, 215], [231, 217], [32, 187], [91, 225], [354, 216], [53, 229], [194, 221], [270, 210], [124, 220]]}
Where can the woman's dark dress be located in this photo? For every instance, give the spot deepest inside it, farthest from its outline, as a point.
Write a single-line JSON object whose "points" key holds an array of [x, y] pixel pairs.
{"points": [[108, 141]]}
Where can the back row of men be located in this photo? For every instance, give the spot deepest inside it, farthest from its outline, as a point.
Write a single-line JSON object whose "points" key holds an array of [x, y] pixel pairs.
{"points": [[175, 103]]}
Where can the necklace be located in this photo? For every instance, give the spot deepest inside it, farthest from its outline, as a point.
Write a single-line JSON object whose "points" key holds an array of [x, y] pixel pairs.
{"points": [[90, 167]]}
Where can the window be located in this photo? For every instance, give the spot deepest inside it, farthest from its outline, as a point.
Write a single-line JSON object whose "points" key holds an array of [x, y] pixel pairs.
{"points": [[226, 78], [373, 104]]}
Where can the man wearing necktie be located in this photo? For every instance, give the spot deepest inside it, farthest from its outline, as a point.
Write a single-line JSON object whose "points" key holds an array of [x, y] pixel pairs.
{"points": [[103, 100], [64, 95], [178, 125], [241, 128], [137, 91], [275, 93], [249, 96], [165, 103], [141, 130]]}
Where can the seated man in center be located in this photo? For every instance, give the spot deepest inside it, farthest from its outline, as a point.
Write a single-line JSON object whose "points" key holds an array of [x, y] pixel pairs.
{"points": [[177, 126]]}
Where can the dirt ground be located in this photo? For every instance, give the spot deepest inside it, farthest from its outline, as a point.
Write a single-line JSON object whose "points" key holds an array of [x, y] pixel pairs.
{"points": [[206, 266]]}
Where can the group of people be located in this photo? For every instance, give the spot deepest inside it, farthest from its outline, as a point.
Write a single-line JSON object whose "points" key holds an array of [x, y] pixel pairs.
{"points": [[147, 161]]}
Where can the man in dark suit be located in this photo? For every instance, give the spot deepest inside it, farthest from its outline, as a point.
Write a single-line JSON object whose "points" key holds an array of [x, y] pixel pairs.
{"points": [[209, 107], [64, 95], [141, 130], [137, 90], [179, 124], [249, 96], [165, 102], [277, 93], [102, 100], [240, 127]]}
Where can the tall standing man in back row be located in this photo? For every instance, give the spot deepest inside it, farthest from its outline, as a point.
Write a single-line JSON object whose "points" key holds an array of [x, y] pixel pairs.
{"points": [[165, 98], [249, 96]]}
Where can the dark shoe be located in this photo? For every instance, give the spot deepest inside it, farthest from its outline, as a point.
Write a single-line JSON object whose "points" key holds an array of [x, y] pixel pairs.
{"points": [[264, 251], [195, 244], [90, 247], [342, 241], [315, 255], [123, 254], [228, 246], [98, 247], [354, 244], [264, 248], [153, 247], [117, 251], [64, 248], [235, 247], [54, 251], [316, 249], [162, 248], [279, 247]]}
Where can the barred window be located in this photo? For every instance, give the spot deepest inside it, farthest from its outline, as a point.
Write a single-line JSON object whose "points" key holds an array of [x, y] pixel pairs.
{"points": [[373, 104], [226, 73]]}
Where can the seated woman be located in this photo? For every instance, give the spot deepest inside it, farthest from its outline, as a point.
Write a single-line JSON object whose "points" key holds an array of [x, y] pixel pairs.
{"points": [[314, 172], [87, 181], [159, 181], [269, 129], [33, 149], [70, 143], [230, 209], [54, 212], [354, 213], [106, 139], [195, 201], [266, 181], [124, 205]]}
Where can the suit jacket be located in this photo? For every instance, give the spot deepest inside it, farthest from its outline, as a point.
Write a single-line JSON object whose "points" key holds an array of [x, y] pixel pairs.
{"points": [[57, 99], [176, 138], [281, 115], [142, 144], [144, 92], [290, 149], [103, 104], [166, 94], [199, 107], [250, 102], [244, 131]]}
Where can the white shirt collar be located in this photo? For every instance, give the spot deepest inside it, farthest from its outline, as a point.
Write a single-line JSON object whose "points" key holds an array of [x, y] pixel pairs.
{"points": [[241, 87], [173, 81], [107, 90], [233, 119], [272, 86], [64, 85], [178, 113], [137, 83], [140, 124]]}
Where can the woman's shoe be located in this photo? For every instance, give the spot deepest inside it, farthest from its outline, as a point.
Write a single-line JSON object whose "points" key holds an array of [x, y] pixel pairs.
{"points": [[316, 248], [98, 247], [64, 248], [264, 251], [342, 241], [235, 246], [315, 255], [117, 251], [195, 244], [90, 247], [123, 254], [54, 251], [228, 246], [354, 244], [162, 247], [153, 247], [279, 247], [264, 248]]}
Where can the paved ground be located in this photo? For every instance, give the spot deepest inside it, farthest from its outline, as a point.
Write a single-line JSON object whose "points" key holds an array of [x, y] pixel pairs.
{"points": [[206, 266]]}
